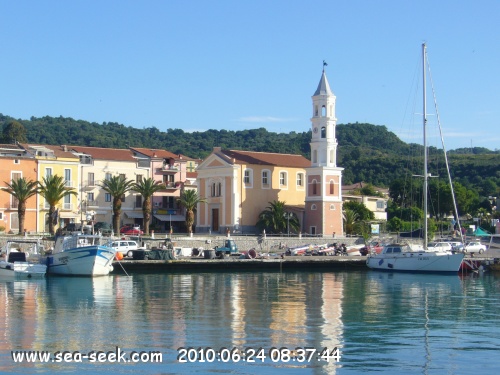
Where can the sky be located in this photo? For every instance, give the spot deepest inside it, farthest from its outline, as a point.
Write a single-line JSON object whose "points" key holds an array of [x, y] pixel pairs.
{"points": [[236, 65]]}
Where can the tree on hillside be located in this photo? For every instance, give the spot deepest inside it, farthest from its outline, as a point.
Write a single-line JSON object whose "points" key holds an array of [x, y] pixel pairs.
{"points": [[117, 186], [21, 189], [276, 219], [147, 187], [53, 189], [13, 131], [362, 212], [189, 200]]}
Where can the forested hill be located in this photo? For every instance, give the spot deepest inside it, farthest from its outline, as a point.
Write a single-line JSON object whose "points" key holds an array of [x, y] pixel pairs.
{"points": [[367, 152]]}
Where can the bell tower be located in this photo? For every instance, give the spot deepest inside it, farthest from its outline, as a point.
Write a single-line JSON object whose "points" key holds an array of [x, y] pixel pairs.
{"points": [[323, 204]]}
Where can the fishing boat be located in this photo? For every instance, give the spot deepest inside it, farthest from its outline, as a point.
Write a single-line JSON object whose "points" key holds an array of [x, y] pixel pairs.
{"points": [[17, 265], [80, 255], [401, 257]]}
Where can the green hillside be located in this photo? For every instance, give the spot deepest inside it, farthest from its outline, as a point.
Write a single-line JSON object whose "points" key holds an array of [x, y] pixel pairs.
{"points": [[367, 152]]}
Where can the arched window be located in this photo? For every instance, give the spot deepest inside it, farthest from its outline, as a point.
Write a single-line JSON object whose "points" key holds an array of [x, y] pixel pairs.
{"points": [[332, 207], [323, 132], [314, 187], [313, 207], [316, 111], [315, 156], [323, 111]]}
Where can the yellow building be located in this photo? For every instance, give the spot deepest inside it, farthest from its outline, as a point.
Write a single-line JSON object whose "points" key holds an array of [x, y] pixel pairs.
{"points": [[51, 161], [238, 186]]}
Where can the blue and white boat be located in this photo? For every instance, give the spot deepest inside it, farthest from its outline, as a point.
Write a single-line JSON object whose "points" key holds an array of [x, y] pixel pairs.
{"points": [[80, 255]]}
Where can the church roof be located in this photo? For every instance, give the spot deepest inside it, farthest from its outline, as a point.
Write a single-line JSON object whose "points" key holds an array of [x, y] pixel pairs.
{"points": [[323, 86], [267, 158]]}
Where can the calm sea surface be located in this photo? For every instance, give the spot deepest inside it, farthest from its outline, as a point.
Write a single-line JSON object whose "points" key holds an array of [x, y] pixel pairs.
{"points": [[380, 322]]}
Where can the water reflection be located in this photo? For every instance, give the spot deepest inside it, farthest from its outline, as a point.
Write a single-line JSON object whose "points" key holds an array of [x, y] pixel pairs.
{"points": [[381, 321]]}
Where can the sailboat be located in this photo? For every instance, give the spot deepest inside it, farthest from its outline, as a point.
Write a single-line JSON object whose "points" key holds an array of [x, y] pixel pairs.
{"points": [[401, 257]]}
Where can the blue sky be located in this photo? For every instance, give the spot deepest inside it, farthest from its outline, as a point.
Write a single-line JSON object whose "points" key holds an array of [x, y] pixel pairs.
{"points": [[199, 65]]}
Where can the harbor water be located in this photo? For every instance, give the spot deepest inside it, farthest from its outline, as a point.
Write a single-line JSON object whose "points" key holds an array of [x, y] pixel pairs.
{"points": [[247, 323]]}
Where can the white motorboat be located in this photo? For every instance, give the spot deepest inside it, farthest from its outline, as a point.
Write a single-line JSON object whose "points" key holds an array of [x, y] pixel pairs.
{"points": [[81, 255], [399, 257], [17, 265]]}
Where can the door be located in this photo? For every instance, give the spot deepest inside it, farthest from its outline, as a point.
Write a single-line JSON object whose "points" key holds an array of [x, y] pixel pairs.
{"points": [[215, 219]]}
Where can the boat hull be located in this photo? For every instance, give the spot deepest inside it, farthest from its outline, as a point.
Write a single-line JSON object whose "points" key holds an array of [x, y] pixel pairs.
{"points": [[92, 260], [22, 270], [422, 262]]}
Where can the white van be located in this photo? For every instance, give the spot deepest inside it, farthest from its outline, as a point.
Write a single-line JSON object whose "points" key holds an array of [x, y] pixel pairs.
{"points": [[125, 247]]}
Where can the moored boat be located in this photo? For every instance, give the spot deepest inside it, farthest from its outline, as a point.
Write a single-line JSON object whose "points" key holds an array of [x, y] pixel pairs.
{"points": [[80, 255], [17, 265], [399, 257]]}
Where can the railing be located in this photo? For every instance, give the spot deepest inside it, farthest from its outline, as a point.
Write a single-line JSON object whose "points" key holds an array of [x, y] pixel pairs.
{"points": [[92, 203], [68, 183], [170, 167]]}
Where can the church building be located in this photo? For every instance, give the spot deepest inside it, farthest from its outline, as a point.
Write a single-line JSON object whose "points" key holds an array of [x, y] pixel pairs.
{"points": [[238, 185]]}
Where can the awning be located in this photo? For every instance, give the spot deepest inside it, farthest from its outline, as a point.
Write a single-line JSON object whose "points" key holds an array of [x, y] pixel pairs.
{"points": [[68, 215], [170, 217], [134, 215]]}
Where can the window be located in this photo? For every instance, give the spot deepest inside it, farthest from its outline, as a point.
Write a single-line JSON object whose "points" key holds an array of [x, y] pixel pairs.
{"points": [[14, 202], [315, 156], [67, 202], [107, 176], [380, 205], [332, 207], [48, 172], [138, 178], [265, 178], [248, 178], [332, 187], [16, 161], [90, 179], [1, 215], [314, 187], [219, 189], [283, 181], [16, 176], [122, 176], [138, 201], [313, 207], [323, 111], [107, 197], [67, 177], [300, 179], [90, 197], [316, 111], [123, 198], [323, 132]]}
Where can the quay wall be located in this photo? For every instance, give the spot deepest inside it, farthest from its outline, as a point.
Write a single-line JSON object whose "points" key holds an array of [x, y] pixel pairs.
{"points": [[266, 244]]}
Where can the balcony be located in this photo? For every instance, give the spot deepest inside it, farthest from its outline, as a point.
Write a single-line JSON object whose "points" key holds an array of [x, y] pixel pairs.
{"points": [[172, 185], [92, 203], [170, 168], [90, 184]]}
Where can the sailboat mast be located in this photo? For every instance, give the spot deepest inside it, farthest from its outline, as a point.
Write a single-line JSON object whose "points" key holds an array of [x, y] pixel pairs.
{"points": [[426, 177]]}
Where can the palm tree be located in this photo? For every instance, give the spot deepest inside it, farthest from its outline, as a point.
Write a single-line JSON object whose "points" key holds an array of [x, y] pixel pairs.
{"points": [[351, 218], [147, 187], [189, 200], [276, 219], [117, 186], [22, 189], [53, 189]]}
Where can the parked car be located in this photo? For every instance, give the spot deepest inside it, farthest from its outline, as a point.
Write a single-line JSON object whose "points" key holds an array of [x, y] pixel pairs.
{"points": [[475, 247], [125, 247], [456, 245], [103, 227], [131, 231], [76, 227], [440, 246]]}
